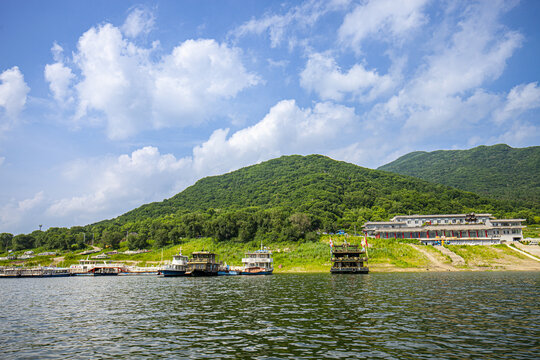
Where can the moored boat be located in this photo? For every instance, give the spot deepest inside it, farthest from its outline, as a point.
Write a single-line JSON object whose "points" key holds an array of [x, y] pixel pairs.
{"points": [[177, 267], [202, 263], [349, 259], [258, 262], [95, 268]]}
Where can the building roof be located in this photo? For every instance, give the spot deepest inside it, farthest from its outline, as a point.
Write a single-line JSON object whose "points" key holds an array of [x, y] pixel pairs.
{"points": [[507, 220], [437, 216], [385, 223]]}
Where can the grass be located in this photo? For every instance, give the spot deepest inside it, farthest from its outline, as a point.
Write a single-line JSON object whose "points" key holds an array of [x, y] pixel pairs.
{"points": [[531, 231]]}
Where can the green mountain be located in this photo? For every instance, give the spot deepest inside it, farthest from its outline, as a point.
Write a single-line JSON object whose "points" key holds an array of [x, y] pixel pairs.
{"points": [[285, 200], [319, 186], [497, 171]]}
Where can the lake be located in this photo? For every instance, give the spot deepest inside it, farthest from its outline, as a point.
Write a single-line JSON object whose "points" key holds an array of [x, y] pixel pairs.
{"points": [[490, 315]]}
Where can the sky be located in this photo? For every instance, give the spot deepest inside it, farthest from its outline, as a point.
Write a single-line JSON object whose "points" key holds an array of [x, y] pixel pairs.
{"points": [[108, 105]]}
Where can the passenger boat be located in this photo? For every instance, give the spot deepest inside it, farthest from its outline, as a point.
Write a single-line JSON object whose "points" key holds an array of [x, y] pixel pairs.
{"points": [[33, 272], [95, 268], [202, 263], [258, 262], [177, 267], [349, 259]]}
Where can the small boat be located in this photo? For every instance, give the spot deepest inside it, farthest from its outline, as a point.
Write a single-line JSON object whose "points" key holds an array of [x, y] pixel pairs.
{"points": [[226, 270], [202, 263], [258, 262], [177, 267]]}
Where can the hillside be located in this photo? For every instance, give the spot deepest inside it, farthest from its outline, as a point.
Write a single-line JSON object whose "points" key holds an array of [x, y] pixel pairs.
{"points": [[315, 185], [288, 199], [497, 171]]}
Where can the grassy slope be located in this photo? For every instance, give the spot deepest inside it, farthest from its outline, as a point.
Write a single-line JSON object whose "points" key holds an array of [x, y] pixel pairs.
{"points": [[497, 171]]}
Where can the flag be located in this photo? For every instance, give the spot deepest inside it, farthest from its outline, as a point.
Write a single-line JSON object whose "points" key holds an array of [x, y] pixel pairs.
{"points": [[331, 243]]}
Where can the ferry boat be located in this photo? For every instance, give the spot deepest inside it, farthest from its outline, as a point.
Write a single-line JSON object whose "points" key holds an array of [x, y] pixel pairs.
{"points": [[258, 262], [45, 271], [202, 263], [177, 267], [349, 259], [95, 268]]}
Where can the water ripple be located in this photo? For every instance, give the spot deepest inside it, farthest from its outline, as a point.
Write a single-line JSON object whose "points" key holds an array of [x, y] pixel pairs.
{"points": [[310, 316]]}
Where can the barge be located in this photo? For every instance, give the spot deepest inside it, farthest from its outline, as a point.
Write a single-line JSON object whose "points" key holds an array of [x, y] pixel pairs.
{"points": [[202, 263], [349, 259]]}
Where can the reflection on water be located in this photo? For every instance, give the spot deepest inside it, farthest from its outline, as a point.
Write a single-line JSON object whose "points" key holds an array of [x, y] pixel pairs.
{"points": [[312, 316]]}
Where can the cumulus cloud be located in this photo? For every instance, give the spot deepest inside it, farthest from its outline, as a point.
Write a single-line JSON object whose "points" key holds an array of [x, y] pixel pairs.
{"points": [[13, 92], [59, 77], [132, 91], [13, 213], [286, 129], [323, 76], [382, 19], [139, 21], [119, 184]]}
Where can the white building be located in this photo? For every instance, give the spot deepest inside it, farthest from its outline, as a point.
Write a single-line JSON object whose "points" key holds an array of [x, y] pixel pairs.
{"points": [[471, 229]]}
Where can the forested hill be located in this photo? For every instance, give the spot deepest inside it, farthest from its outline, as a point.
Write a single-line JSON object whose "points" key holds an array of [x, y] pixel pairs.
{"points": [[316, 185], [497, 171]]}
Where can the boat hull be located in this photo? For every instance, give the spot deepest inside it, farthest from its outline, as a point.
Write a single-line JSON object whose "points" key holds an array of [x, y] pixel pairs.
{"points": [[199, 273], [361, 270], [172, 273]]}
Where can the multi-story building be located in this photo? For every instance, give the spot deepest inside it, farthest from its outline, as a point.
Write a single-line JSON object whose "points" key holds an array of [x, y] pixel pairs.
{"points": [[457, 229]]}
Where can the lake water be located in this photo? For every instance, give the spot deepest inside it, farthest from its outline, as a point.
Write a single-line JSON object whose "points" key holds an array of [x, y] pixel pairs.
{"points": [[284, 316]]}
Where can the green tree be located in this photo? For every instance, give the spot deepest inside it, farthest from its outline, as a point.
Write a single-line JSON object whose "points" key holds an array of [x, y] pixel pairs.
{"points": [[5, 241]]}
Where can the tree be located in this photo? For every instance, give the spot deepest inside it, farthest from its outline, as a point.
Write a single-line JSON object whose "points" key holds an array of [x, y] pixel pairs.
{"points": [[23, 242], [5, 241], [136, 241], [112, 238]]}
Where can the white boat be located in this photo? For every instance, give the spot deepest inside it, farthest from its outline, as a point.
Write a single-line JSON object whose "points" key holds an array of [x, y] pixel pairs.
{"points": [[177, 267], [259, 262]]}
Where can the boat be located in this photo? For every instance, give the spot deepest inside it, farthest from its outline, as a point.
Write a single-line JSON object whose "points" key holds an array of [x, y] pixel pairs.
{"points": [[95, 268], [226, 270], [139, 271], [349, 259], [259, 262], [177, 267], [202, 263], [41, 271]]}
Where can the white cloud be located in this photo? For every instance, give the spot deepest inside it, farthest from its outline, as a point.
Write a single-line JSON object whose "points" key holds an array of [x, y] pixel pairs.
{"points": [[2, 159], [299, 17], [13, 213], [194, 78], [323, 76], [286, 129], [520, 99], [140, 21], [381, 19], [13, 92], [135, 92], [60, 78], [118, 184], [446, 94]]}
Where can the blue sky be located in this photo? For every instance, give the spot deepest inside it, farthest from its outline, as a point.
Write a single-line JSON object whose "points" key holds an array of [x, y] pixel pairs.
{"points": [[107, 105]]}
